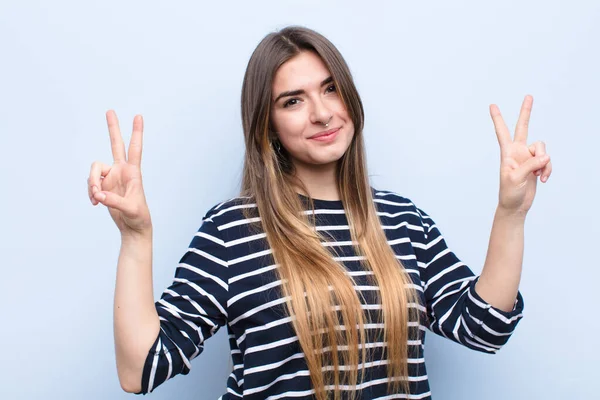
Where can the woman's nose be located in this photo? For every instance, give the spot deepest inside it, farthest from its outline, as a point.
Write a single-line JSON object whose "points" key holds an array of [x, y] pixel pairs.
{"points": [[321, 113]]}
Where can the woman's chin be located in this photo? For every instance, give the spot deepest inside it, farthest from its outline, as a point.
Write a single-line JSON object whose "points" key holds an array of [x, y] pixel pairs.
{"points": [[326, 161]]}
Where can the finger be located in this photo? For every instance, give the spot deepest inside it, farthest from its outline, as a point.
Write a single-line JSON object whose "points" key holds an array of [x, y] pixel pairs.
{"points": [[537, 149], [116, 140], [523, 121], [546, 172], [502, 132], [113, 200], [531, 165], [135, 145], [97, 171]]}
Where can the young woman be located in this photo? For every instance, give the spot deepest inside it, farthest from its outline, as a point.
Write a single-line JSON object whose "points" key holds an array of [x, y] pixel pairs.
{"points": [[326, 285]]}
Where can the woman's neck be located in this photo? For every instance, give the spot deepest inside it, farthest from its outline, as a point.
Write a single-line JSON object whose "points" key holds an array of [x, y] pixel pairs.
{"points": [[319, 180]]}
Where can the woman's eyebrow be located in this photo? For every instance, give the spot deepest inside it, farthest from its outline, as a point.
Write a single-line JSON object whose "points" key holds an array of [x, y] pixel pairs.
{"points": [[301, 91]]}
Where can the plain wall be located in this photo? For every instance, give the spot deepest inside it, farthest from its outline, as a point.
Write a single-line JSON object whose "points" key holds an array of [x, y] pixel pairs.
{"points": [[427, 73]]}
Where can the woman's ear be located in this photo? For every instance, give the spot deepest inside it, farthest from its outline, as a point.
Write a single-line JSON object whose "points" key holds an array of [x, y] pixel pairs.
{"points": [[273, 135]]}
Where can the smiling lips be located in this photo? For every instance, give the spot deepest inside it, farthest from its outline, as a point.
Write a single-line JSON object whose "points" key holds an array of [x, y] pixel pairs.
{"points": [[325, 135]]}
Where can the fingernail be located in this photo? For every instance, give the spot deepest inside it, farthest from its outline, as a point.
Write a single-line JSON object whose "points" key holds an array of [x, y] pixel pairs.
{"points": [[101, 196]]}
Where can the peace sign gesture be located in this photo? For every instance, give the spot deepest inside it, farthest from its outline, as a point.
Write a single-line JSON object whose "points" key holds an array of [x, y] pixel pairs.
{"points": [[520, 164], [119, 187]]}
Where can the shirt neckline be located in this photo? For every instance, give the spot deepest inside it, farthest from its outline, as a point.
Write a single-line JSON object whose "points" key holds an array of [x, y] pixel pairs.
{"points": [[321, 202]]}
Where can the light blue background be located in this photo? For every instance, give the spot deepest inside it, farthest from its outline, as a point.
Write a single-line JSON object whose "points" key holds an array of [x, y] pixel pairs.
{"points": [[427, 75]]}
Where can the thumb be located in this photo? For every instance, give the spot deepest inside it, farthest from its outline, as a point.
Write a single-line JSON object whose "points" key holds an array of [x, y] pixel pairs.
{"points": [[111, 200], [531, 165]]}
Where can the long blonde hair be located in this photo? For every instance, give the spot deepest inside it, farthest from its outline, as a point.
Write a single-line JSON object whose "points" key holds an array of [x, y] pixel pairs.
{"points": [[306, 267]]}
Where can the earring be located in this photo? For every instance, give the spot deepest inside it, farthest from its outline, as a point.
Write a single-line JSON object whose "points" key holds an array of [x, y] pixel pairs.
{"points": [[275, 141], [275, 144]]}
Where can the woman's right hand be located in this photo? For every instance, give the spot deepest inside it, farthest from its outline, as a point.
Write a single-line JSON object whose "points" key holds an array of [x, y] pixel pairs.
{"points": [[119, 187]]}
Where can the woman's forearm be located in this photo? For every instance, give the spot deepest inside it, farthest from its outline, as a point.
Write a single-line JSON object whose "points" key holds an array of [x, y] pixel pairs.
{"points": [[136, 322], [499, 281]]}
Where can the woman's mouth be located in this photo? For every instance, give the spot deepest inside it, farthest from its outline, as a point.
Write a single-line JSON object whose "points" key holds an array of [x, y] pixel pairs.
{"points": [[326, 136]]}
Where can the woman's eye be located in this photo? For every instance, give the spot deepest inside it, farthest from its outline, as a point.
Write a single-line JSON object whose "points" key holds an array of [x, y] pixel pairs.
{"points": [[290, 102], [331, 88]]}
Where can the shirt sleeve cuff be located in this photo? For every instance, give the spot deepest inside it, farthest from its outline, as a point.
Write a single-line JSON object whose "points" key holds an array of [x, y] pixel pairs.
{"points": [[487, 316]]}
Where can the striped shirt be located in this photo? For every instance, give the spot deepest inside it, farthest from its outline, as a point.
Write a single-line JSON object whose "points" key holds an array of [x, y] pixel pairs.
{"points": [[227, 277]]}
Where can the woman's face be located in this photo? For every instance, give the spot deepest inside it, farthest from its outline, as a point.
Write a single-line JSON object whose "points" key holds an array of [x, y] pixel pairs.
{"points": [[305, 99]]}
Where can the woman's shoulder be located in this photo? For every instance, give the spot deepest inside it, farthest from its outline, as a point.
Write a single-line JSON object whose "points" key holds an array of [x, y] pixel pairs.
{"points": [[391, 198], [230, 210], [391, 203]]}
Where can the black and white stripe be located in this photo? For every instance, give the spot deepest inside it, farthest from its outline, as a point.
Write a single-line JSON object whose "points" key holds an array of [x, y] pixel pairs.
{"points": [[228, 277]]}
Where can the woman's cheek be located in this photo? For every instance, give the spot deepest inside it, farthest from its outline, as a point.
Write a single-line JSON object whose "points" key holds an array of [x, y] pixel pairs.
{"points": [[296, 125]]}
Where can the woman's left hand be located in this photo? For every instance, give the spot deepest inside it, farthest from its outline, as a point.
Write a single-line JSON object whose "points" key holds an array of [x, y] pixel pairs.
{"points": [[520, 164]]}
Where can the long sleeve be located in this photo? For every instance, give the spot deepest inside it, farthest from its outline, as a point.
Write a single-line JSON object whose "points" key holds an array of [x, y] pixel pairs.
{"points": [[191, 309], [454, 308]]}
